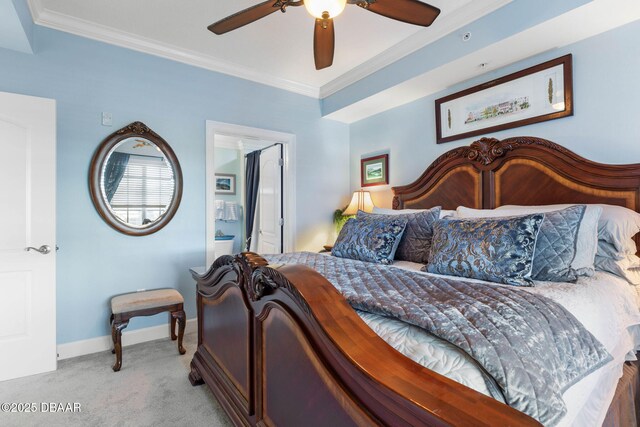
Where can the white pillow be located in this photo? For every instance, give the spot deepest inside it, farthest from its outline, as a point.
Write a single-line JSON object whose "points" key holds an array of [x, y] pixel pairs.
{"points": [[607, 250], [447, 213], [377, 210], [587, 244], [617, 226], [626, 268]]}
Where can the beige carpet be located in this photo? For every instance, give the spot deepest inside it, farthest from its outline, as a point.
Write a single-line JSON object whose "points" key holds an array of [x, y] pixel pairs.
{"points": [[152, 389]]}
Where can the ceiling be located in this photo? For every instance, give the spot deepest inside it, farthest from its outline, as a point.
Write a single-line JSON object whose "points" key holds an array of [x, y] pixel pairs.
{"points": [[276, 50], [570, 23]]}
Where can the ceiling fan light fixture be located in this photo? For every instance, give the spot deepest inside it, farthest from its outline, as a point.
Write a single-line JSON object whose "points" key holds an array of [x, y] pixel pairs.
{"points": [[414, 12], [318, 7]]}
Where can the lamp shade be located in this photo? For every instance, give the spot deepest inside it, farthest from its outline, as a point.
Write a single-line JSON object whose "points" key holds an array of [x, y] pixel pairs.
{"points": [[317, 7], [361, 201]]}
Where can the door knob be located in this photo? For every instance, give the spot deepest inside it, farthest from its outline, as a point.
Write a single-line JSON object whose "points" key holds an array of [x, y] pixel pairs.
{"points": [[44, 249]]}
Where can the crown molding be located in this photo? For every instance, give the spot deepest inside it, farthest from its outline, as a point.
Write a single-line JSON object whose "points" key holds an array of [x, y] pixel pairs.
{"points": [[445, 26], [591, 19], [91, 30], [102, 33]]}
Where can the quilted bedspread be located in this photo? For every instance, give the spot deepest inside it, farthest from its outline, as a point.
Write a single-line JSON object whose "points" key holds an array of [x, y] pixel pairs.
{"points": [[532, 347]]}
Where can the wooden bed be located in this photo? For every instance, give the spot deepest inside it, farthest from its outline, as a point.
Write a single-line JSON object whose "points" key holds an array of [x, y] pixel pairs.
{"points": [[282, 347]]}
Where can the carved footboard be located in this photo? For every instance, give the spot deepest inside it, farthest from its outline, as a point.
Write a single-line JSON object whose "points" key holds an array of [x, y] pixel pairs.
{"points": [[282, 347]]}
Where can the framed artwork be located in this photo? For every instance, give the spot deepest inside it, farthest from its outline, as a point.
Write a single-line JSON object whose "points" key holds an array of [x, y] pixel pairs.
{"points": [[374, 171], [536, 94], [225, 183]]}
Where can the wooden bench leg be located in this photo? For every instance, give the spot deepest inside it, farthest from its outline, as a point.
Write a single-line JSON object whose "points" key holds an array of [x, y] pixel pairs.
{"points": [[173, 327], [116, 335], [180, 317], [113, 338]]}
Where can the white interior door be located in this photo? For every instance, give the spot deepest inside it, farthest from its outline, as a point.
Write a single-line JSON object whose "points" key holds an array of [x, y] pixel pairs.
{"points": [[270, 202], [27, 219]]}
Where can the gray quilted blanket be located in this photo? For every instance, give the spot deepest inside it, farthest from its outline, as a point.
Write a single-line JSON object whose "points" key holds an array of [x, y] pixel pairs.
{"points": [[533, 347]]}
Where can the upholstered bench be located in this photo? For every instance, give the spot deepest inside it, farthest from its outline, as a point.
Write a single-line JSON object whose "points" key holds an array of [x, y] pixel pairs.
{"points": [[145, 303]]}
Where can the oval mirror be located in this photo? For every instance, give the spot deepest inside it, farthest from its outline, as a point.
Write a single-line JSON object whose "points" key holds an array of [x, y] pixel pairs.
{"points": [[135, 180]]}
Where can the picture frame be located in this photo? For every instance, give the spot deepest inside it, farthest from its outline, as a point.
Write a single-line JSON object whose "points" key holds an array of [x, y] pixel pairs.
{"points": [[225, 183], [533, 95], [374, 170]]}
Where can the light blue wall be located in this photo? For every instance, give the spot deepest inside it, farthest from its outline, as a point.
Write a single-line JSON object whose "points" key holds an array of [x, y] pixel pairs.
{"points": [[24, 15], [16, 27], [86, 78], [605, 126]]}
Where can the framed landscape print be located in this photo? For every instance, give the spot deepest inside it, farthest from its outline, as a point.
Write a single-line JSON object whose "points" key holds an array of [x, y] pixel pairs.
{"points": [[225, 183], [374, 171], [536, 94]]}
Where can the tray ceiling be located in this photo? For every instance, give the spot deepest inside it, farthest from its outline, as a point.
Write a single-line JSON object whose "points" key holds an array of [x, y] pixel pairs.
{"points": [[277, 50]]}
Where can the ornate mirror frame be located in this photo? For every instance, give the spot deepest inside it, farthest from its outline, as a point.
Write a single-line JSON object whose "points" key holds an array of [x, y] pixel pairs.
{"points": [[135, 129]]}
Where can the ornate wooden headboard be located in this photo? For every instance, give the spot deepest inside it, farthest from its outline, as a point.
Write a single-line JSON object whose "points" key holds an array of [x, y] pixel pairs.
{"points": [[519, 171], [523, 171]]}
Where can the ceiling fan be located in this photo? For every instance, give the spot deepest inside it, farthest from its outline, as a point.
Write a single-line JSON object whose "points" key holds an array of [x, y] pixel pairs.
{"points": [[409, 11]]}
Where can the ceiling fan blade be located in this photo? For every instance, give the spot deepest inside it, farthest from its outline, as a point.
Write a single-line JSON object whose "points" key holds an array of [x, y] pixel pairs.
{"points": [[323, 43], [243, 17], [409, 11]]}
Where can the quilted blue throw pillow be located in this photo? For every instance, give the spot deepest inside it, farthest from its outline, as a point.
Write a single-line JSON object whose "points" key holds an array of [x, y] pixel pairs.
{"points": [[556, 246], [493, 249], [416, 239], [369, 239]]}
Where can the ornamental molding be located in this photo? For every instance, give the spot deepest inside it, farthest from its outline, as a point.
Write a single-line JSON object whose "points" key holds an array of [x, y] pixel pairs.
{"points": [[486, 150]]}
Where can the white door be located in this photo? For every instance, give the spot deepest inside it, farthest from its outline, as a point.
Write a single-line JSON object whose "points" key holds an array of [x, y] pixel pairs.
{"points": [[27, 219], [270, 202]]}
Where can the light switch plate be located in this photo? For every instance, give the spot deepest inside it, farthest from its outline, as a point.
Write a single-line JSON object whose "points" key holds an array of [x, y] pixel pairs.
{"points": [[107, 119]]}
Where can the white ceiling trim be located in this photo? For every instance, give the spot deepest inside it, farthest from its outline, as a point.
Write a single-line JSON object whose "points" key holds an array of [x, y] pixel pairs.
{"points": [[446, 25], [92, 30], [586, 21]]}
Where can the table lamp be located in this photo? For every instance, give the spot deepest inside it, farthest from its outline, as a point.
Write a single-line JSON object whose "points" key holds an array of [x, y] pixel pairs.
{"points": [[361, 201]]}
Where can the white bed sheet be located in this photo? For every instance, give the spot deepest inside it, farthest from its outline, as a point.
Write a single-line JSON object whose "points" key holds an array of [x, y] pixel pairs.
{"points": [[605, 304]]}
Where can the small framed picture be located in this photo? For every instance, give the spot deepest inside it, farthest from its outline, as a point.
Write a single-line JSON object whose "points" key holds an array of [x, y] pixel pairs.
{"points": [[225, 183], [374, 171]]}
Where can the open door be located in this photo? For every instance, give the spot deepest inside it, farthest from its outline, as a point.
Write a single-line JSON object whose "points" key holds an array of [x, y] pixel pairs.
{"points": [[270, 220]]}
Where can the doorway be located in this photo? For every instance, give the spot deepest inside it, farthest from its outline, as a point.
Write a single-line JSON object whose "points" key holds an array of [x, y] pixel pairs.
{"points": [[27, 235], [271, 209], [264, 221]]}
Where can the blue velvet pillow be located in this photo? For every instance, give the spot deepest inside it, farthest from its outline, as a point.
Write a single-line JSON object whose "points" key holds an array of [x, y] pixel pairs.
{"points": [[493, 249], [371, 239], [415, 244], [556, 246]]}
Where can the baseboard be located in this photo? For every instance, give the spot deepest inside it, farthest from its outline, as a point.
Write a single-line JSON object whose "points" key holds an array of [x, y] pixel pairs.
{"points": [[94, 345]]}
